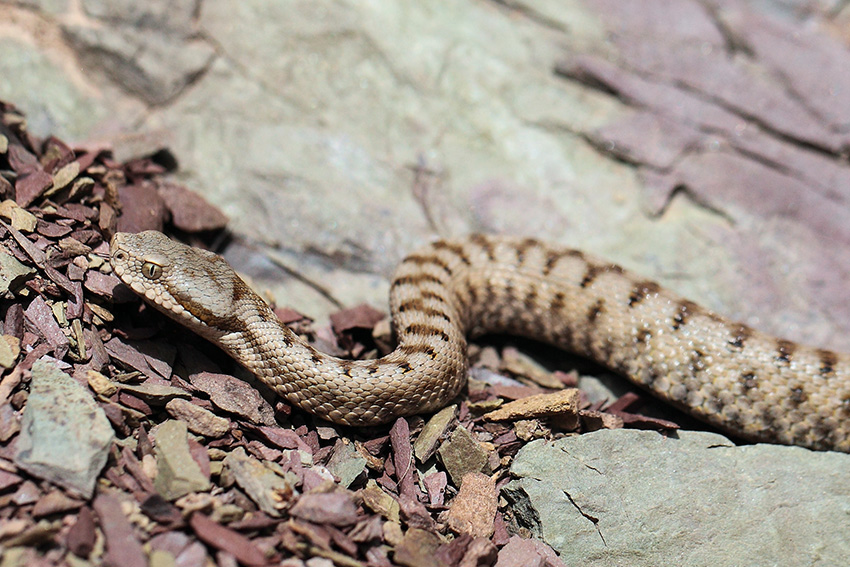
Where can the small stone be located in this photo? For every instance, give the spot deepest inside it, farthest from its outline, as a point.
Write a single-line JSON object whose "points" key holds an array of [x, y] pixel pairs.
{"points": [[417, 549], [13, 274], [161, 558], [54, 502], [9, 422], [177, 473], [562, 403], [155, 393], [268, 490], [379, 501], [235, 396], [122, 544], [336, 508], [23, 220], [65, 437], [462, 454], [100, 384], [10, 349], [65, 175], [392, 533], [521, 552], [594, 420], [473, 511], [426, 444], [346, 463], [199, 420], [521, 365]]}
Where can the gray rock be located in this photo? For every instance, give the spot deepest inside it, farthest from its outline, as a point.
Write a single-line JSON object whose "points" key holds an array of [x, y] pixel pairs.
{"points": [[65, 437], [638, 498], [346, 462], [462, 454], [13, 274], [154, 66], [177, 473], [260, 483]]}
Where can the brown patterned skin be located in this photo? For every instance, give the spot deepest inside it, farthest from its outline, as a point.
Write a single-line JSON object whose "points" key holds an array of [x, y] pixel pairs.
{"points": [[734, 377]]}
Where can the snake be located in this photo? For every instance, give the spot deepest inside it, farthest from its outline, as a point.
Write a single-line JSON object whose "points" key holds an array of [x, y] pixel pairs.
{"points": [[745, 382]]}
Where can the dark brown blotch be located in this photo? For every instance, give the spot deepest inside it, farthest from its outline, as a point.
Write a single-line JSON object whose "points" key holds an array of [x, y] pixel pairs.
{"points": [[372, 367], [785, 350], [411, 305], [748, 380], [684, 311], [523, 247], [798, 396], [346, 366], [828, 360], [422, 260], [530, 299], [642, 336], [740, 333], [409, 349], [484, 243], [595, 270], [426, 331], [595, 311], [555, 256], [417, 279], [559, 301], [454, 248], [641, 291]]}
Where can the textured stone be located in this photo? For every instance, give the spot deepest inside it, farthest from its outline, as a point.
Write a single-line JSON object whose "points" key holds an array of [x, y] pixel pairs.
{"points": [[65, 437], [638, 498], [177, 472], [428, 439], [268, 490], [198, 419], [473, 510], [462, 454], [346, 463], [13, 273]]}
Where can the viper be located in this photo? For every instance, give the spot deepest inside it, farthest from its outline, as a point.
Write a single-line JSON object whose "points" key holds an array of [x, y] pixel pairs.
{"points": [[728, 374]]}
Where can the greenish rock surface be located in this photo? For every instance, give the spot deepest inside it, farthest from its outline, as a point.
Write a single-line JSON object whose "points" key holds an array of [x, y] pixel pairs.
{"points": [[65, 437], [462, 454], [13, 273], [346, 463], [637, 498], [263, 486], [177, 472]]}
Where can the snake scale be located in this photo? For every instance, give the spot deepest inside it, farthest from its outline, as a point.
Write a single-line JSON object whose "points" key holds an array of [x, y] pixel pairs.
{"points": [[741, 380]]}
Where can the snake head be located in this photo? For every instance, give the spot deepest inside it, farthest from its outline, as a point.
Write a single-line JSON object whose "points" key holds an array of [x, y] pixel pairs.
{"points": [[193, 286]]}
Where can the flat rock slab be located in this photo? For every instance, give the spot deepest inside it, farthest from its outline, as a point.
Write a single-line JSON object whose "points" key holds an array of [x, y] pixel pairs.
{"points": [[65, 437], [638, 498]]}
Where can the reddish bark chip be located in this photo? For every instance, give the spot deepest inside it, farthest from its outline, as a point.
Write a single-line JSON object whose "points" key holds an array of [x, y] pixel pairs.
{"points": [[473, 511], [336, 508], [189, 211], [362, 316], [143, 208], [30, 187], [225, 539], [81, 537], [122, 546]]}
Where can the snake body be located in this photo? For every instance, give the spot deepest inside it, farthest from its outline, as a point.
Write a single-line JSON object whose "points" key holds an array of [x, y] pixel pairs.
{"points": [[741, 380]]}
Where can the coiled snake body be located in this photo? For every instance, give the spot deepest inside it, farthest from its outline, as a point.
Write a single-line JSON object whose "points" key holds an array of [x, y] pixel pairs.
{"points": [[728, 374]]}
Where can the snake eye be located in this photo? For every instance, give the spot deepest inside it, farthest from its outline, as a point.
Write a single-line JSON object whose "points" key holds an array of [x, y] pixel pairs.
{"points": [[151, 271]]}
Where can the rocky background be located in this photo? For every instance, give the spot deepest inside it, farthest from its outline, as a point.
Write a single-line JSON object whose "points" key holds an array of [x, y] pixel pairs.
{"points": [[701, 143]]}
